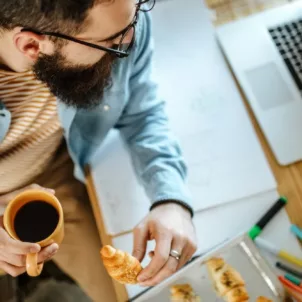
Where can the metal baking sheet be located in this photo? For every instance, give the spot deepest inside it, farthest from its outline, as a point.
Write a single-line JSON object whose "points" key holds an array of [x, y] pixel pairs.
{"points": [[242, 254]]}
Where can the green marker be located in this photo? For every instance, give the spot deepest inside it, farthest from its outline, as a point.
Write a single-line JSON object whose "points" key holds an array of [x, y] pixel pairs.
{"points": [[292, 279], [256, 230]]}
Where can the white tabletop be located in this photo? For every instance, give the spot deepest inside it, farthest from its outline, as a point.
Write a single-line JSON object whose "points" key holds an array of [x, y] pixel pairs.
{"points": [[224, 157]]}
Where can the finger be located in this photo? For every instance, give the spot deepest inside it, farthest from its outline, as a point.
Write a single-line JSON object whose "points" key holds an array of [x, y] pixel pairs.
{"points": [[187, 254], [48, 253], [20, 260], [14, 260], [13, 246], [161, 256], [185, 257], [140, 241], [38, 187], [6, 198], [169, 269], [12, 270], [178, 244]]}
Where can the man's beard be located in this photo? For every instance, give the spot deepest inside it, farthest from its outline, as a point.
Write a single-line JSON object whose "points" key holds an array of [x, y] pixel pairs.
{"points": [[78, 86]]}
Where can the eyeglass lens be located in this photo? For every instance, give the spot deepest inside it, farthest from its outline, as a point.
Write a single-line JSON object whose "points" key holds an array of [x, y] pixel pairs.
{"points": [[127, 40], [145, 5]]}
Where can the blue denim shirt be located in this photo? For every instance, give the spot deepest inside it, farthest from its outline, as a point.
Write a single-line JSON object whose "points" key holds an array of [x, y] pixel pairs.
{"points": [[132, 106]]}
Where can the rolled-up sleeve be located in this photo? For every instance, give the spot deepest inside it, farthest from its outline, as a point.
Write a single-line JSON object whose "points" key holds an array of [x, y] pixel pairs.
{"points": [[155, 152]]}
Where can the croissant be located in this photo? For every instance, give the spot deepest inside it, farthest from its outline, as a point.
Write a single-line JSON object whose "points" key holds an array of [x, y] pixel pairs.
{"points": [[120, 265], [263, 299], [237, 294], [227, 281], [183, 293]]}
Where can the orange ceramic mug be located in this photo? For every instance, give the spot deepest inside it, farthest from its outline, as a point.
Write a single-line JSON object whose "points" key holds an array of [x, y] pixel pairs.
{"points": [[35, 216]]}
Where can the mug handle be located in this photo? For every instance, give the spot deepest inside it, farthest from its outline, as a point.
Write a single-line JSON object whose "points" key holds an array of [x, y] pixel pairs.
{"points": [[33, 268]]}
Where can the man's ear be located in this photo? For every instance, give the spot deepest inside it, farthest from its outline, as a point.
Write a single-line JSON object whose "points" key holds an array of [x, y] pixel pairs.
{"points": [[30, 44]]}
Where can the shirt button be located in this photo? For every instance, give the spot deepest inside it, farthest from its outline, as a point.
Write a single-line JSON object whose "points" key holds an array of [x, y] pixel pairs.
{"points": [[106, 107]]}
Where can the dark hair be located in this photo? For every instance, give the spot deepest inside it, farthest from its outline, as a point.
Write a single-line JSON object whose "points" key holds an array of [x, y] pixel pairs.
{"points": [[66, 16]]}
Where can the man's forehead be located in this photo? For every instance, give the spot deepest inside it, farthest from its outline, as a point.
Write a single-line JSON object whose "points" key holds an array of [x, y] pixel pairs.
{"points": [[107, 18]]}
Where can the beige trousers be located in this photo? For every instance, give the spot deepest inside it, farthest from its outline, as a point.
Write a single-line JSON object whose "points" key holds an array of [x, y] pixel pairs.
{"points": [[79, 255]]}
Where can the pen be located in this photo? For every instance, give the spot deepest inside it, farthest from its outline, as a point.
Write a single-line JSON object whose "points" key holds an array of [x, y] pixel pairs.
{"points": [[289, 270], [278, 252], [256, 230], [296, 231], [293, 279], [290, 284]]}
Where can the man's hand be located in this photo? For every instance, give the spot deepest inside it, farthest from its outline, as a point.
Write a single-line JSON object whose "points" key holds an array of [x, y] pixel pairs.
{"points": [[12, 252], [170, 225]]}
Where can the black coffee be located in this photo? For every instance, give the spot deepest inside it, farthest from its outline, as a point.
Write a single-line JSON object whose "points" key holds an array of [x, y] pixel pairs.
{"points": [[36, 221]]}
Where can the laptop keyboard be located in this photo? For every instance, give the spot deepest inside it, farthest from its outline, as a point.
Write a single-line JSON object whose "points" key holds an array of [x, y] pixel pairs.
{"points": [[288, 39]]}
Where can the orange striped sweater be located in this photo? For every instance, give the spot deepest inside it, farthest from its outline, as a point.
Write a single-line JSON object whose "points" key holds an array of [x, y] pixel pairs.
{"points": [[34, 133]]}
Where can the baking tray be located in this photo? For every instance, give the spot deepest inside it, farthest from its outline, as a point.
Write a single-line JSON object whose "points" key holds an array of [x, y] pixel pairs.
{"points": [[242, 254]]}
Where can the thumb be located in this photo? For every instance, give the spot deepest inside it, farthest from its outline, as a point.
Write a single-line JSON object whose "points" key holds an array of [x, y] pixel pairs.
{"points": [[140, 234], [6, 198]]}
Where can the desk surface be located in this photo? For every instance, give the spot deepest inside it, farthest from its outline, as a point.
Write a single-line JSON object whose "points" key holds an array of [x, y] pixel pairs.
{"points": [[289, 178], [289, 183]]}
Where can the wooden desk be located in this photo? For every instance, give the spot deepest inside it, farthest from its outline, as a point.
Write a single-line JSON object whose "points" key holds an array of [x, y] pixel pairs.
{"points": [[120, 290], [228, 10]]}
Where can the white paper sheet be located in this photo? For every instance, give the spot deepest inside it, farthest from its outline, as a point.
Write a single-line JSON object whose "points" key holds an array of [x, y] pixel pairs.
{"points": [[224, 157]]}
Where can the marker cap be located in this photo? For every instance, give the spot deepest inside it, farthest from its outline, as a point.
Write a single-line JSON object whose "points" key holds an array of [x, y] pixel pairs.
{"points": [[254, 232]]}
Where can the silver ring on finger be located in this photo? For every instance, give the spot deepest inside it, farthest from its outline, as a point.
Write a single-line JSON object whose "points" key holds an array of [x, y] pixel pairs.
{"points": [[175, 254]]}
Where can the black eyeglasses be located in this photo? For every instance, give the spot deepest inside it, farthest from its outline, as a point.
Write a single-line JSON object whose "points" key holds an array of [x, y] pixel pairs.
{"points": [[123, 48]]}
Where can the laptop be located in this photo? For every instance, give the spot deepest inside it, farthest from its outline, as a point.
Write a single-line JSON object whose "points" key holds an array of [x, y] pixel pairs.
{"points": [[265, 54]]}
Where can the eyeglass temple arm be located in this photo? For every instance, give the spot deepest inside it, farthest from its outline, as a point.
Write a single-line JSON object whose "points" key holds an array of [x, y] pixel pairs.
{"points": [[62, 36]]}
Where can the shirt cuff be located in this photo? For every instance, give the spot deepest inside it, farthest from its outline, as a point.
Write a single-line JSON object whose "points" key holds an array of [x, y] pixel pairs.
{"points": [[185, 205]]}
